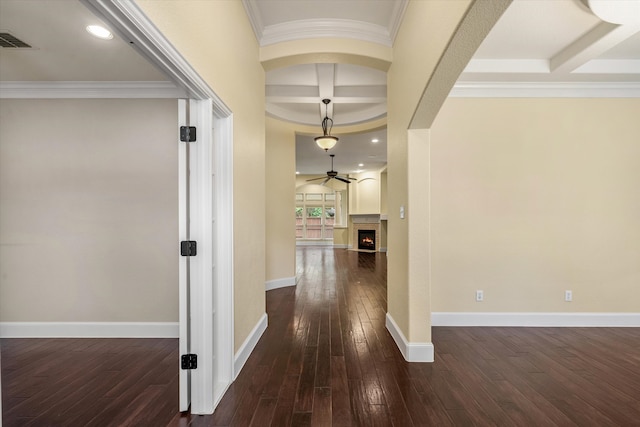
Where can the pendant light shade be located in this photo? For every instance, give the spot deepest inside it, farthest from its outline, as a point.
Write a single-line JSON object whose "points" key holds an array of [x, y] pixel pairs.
{"points": [[326, 141]]}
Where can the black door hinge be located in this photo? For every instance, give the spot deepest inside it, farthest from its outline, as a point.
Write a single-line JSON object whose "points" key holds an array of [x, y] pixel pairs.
{"points": [[188, 248], [187, 133], [189, 361]]}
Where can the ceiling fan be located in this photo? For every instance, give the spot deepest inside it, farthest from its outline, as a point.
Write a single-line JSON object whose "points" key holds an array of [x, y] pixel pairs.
{"points": [[333, 175]]}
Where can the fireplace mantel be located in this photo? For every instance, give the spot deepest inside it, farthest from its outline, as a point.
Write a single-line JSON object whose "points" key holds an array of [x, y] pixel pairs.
{"points": [[365, 218]]}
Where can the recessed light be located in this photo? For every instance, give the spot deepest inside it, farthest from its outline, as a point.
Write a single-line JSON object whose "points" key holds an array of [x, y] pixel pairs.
{"points": [[360, 165], [100, 32], [297, 172], [374, 140]]}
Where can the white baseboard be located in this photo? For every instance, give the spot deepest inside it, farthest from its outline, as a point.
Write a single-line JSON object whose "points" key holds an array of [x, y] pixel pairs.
{"points": [[412, 352], [279, 283], [536, 319], [88, 329], [242, 355], [342, 246]]}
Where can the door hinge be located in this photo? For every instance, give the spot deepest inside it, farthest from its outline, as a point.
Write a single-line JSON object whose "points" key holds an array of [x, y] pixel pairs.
{"points": [[189, 361], [187, 133], [188, 248]]}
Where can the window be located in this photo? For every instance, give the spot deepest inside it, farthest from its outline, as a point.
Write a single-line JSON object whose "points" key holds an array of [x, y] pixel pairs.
{"points": [[315, 216], [299, 222]]}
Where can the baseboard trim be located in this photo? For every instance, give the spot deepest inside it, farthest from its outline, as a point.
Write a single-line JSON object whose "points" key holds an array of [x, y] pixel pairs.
{"points": [[89, 330], [242, 355], [536, 319], [412, 352], [341, 246], [279, 283]]}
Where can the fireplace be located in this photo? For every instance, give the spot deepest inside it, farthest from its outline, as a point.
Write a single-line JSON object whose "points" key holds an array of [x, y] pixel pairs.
{"points": [[367, 239]]}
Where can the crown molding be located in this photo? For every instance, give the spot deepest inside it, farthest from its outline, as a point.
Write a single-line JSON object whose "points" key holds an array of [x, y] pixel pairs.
{"points": [[399, 7], [253, 13], [545, 90], [90, 90]]}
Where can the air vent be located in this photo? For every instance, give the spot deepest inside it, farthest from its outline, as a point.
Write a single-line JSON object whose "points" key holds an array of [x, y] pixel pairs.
{"points": [[7, 40]]}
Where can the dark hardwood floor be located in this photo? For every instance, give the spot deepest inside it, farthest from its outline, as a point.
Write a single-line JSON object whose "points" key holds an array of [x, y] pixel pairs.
{"points": [[327, 359]]}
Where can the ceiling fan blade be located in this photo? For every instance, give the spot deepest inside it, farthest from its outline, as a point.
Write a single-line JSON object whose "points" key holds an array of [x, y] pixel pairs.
{"points": [[342, 179], [315, 179], [326, 180]]}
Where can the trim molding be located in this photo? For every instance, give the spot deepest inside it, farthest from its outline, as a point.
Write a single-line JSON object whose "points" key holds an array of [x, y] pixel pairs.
{"points": [[342, 246], [318, 28], [280, 283], [468, 89], [243, 353], [49, 90], [536, 319], [88, 329], [412, 352]]}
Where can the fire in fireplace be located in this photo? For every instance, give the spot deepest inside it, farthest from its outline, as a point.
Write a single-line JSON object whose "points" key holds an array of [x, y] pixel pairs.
{"points": [[367, 239]]}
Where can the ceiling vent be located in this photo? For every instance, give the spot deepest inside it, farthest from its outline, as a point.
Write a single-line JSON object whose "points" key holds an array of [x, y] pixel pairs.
{"points": [[8, 40]]}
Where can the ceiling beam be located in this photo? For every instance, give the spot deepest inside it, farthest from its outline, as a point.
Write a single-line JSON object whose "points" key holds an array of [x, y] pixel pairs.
{"points": [[326, 83], [600, 39]]}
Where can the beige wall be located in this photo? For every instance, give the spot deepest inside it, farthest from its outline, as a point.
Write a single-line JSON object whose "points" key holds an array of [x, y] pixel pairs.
{"points": [[280, 187], [423, 37], [88, 210], [384, 205], [341, 236], [364, 194], [532, 197], [215, 37]]}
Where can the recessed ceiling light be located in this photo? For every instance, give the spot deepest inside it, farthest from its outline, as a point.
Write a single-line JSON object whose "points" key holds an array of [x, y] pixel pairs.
{"points": [[297, 172], [100, 32], [374, 140], [360, 164]]}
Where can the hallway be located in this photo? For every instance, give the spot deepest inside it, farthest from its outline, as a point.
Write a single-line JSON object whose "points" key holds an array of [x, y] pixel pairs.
{"points": [[327, 359]]}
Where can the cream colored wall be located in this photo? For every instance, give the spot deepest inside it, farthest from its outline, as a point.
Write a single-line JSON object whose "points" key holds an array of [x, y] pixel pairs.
{"points": [[383, 234], [423, 36], [280, 188], [364, 194], [215, 37], [341, 236], [532, 197], [384, 204], [88, 210]]}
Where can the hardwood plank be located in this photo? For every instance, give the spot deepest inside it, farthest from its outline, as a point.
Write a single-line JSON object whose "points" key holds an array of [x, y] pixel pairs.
{"points": [[283, 413], [321, 415], [304, 396], [264, 412]]}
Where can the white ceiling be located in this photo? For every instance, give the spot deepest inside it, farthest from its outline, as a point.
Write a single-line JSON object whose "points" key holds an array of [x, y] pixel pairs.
{"points": [[537, 48]]}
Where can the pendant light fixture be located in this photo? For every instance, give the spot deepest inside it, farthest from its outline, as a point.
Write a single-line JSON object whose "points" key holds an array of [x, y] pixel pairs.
{"points": [[326, 141]]}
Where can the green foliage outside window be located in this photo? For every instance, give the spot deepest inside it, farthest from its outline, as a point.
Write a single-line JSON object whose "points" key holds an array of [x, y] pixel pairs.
{"points": [[314, 212]]}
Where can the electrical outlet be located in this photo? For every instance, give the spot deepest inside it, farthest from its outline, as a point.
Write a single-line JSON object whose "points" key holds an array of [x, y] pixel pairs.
{"points": [[479, 295], [568, 296]]}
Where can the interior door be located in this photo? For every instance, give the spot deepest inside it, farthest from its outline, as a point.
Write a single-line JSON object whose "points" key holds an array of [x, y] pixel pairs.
{"points": [[184, 312]]}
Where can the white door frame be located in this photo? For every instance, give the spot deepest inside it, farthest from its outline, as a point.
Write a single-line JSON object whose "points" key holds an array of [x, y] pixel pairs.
{"points": [[211, 203]]}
